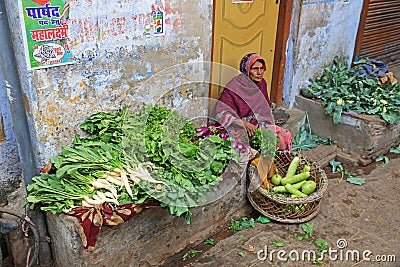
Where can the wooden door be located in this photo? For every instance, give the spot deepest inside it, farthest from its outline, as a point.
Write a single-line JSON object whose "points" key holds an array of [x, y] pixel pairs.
{"points": [[241, 28]]}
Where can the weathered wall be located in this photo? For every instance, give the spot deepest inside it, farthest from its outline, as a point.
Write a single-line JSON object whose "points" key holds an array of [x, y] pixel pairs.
{"points": [[115, 64], [321, 29], [10, 175]]}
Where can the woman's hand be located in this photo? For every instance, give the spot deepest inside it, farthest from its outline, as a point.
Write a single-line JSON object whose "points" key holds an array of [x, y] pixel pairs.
{"points": [[250, 128]]}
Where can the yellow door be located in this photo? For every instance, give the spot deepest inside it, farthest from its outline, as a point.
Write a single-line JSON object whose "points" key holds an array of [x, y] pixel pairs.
{"points": [[241, 28]]}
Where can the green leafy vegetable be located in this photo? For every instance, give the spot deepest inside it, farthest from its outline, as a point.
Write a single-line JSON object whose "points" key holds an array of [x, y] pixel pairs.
{"points": [[208, 241], [241, 224], [242, 254], [265, 142], [308, 228], [385, 159], [154, 153], [305, 140], [336, 166], [395, 150], [190, 254], [355, 180], [263, 219], [317, 261], [276, 243], [341, 90], [322, 244]]}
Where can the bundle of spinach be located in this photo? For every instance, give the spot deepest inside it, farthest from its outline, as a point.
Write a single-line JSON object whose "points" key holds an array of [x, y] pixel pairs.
{"points": [[73, 174], [341, 90]]}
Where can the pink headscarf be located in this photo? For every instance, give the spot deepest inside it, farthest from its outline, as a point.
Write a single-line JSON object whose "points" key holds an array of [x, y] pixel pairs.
{"points": [[248, 61]]}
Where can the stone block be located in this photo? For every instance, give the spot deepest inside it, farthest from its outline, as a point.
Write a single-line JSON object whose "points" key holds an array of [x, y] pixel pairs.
{"points": [[148, 238], [296, 119], [363, 137], [322, 154]]}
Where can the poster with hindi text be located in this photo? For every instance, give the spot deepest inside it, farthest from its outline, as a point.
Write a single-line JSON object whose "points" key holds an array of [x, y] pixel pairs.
{"points": [[45, 26]]}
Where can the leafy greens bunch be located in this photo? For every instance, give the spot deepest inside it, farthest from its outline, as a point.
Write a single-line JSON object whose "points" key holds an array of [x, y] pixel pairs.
{"points": [[190, 167], [131, 157]]}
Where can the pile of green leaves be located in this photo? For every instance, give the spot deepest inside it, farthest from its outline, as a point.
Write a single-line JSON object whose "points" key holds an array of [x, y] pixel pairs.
{"points": [[305, 139], [72, 173], [341, 90], [241, 224], [189, 168]]}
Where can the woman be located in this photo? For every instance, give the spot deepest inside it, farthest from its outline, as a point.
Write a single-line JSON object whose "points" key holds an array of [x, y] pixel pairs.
{"points": [[244, 104]]}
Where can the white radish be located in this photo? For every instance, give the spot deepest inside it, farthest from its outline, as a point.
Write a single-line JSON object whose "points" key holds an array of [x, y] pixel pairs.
{"points": [[133, 177], [144, 174], [126, 183], [115, 180], [115, 174], [103, 183], [117, 170], [87, 205], [110, 196], [93, 202]]}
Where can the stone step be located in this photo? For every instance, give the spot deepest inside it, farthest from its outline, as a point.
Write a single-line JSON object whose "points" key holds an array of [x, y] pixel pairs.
{"points": [[322, 154], [297, 118]]}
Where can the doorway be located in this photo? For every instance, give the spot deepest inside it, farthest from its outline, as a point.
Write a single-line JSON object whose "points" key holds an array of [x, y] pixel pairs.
{"points": [[250, 26]]}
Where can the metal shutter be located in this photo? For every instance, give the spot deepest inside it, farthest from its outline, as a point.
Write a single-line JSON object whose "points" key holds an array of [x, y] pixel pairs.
{"points": [[379, 32]]}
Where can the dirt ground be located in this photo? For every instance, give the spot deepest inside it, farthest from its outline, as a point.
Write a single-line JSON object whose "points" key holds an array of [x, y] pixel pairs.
{"points": [[358, 222]]}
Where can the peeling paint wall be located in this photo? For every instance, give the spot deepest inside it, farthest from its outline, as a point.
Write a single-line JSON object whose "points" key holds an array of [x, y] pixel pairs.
{"points": [[10, 175], [325, 28], [118, 63]]}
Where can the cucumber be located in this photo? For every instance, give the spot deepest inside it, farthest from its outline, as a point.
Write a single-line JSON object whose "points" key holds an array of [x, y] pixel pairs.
{"points": [[299, 184], [279, 189], [295, 178], [306, 168], [293, 167], [282, 189], [294, 191]]}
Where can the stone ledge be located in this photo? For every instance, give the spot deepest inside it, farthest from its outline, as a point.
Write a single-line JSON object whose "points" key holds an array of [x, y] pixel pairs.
{"points": [[148, 238], [297, 118], [322, 154], [362, 137]]}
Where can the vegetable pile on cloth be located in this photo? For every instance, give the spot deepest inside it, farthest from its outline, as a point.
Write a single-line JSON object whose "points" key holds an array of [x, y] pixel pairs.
{"points": [[132, 161]]}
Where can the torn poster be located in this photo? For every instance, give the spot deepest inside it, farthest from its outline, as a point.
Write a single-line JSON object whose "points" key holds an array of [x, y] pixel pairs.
{"points": [[45, 25]]}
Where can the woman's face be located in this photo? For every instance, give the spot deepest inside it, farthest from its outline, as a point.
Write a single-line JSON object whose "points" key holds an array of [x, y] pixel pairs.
{"points": [[257, 71]]}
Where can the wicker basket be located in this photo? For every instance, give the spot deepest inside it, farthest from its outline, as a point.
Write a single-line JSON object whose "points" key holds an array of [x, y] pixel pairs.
{"points": [[287, 209]]}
